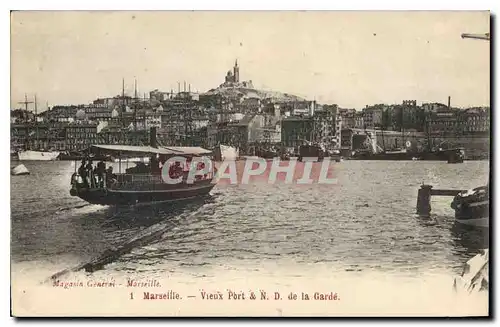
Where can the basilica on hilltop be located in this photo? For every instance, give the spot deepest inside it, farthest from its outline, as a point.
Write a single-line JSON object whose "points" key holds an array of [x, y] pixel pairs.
{"points": [[233, 78]]}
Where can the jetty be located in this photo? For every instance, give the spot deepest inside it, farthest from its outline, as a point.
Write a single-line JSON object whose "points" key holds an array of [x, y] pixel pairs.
{"points": [[424, 197]]}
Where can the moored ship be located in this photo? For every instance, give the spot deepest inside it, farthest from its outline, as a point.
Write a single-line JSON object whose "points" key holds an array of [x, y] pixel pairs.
{"points": [[36, 152], [454, 155], [472, 207], [310, 150], [31, 155]]}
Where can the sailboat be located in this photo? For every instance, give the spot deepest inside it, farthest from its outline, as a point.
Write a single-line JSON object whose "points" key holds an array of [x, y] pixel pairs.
{"points": [[29, 154]]}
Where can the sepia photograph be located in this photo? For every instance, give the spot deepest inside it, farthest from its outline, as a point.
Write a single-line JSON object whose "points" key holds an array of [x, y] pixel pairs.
{"points": [[250, 163]]}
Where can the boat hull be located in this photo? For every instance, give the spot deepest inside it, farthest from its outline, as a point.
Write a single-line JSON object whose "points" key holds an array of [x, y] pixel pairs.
{"points": [[37, 155], [135, 197], [449, 156], [472, 207], [474, 214], [385, 156], [477, 222]]}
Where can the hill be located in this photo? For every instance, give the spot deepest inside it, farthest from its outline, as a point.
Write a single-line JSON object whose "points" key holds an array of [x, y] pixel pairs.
{"points": [[246, 93]]}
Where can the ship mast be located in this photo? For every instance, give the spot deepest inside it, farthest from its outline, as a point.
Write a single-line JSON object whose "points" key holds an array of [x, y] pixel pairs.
{"points": [[122, 110], [144, 115], [403, 124], [26, 102], [135, 107]]}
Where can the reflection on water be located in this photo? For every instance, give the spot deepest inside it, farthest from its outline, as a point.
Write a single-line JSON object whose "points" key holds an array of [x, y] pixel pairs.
{"points": [[469, 240]]}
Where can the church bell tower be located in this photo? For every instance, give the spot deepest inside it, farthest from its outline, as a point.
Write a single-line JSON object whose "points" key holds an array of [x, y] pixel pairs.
{"points": [[236, 72]]}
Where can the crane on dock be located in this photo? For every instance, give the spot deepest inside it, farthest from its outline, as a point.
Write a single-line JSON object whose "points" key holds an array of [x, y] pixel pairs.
{"points": [[484, 36]]}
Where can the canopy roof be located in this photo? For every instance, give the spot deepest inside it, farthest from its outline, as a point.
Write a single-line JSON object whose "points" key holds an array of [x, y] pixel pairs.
{"points": [[127, 151], [191, 150]]}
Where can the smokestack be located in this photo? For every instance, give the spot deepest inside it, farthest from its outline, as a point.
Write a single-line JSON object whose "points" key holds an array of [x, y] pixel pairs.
{"points": [[135, 88], [152, 137], [189, 88], [184, 86], [449, 102], [178, 87]]}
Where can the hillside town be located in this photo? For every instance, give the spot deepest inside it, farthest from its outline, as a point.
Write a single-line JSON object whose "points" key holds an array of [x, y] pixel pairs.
{"points": [[237, 114]]}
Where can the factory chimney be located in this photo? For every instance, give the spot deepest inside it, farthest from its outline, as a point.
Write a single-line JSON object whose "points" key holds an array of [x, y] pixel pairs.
{"points": [[449, 102]]}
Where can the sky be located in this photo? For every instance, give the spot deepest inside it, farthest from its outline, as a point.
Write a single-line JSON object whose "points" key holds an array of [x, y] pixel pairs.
{"points": [[351, 59]]}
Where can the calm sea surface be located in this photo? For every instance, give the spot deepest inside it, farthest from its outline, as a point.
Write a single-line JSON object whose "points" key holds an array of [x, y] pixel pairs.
{"points": [[364, 223]]}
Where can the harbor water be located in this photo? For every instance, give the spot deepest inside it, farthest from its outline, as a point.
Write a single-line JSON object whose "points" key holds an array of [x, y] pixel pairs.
{"points": [[281, 234]]}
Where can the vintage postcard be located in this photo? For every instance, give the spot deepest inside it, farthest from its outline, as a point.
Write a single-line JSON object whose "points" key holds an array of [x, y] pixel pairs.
{"points": [[281, 163]]}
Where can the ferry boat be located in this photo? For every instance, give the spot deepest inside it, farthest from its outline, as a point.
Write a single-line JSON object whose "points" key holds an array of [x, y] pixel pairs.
{"points": [[455, 155], [31, 155], [472, 207], [76, 155], [142, 184]]}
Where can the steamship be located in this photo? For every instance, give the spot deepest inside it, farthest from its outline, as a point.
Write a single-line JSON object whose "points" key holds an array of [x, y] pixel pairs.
{"points": [[142, 184]]}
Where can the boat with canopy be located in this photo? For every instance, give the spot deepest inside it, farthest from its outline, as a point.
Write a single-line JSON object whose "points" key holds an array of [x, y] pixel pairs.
{"points": [[172, 174]]}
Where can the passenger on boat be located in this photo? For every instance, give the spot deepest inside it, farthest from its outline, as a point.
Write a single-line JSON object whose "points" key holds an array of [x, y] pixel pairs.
{"points": [[111, 178], [187, 165], [90, 173], [100, 171], [82, 171], [155, 166]]}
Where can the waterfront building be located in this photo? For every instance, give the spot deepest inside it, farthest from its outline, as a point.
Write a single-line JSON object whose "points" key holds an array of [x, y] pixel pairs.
{"points": [[270, 108], [271, 133], [181, 119], [327, 125], [359, 122], [295, 130], [46, 135], [346, 141], [160, 96], [433, 107], [246, 131], [301, 108], [80, 135], [98, 112], [242, 133], [475, 120], [348, 117], [372, 116], [249, 105], [19, 116], [61, 114], [443, 121]]}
